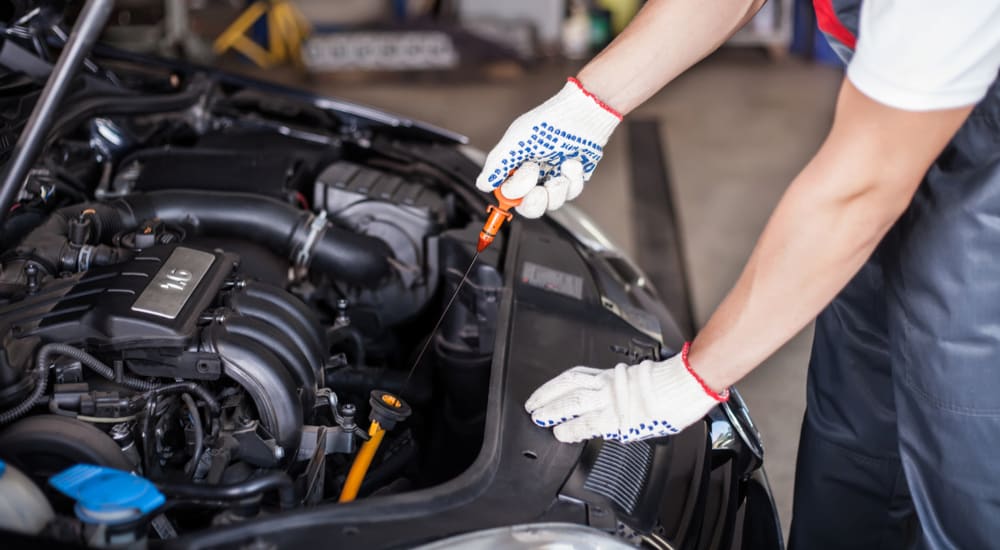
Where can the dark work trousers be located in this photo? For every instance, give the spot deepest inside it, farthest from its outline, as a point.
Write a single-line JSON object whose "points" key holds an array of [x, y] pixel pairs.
{"points": [[901, 438]]}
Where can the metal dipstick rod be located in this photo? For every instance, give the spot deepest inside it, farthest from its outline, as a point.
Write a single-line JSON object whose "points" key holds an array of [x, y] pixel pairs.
{"points": [[430, 337], [497, 216], [82, 38]]}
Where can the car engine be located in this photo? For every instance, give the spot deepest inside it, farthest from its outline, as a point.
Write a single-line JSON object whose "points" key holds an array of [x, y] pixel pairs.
{"points": [[212, 287]]}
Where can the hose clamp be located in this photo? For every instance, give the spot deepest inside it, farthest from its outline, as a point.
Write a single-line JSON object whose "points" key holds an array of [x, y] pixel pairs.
{"points": [[83, 259], [316, 227]]}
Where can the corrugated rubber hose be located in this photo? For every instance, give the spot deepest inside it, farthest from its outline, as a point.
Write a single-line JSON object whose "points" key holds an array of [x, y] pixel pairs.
{"points": [[41, 372], [42, 360], [93, 364]]}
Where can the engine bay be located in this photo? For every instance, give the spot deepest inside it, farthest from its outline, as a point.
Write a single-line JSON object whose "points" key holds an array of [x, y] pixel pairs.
{"points": [[218, 289]]}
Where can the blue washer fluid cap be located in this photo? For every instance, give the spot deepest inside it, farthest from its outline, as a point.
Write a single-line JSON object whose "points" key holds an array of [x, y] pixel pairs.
{"points": [[105, 495], [3, 467]]}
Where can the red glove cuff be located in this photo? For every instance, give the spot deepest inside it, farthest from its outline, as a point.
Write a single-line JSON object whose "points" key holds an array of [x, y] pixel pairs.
{"points": [[596, 99], [720, 397]]}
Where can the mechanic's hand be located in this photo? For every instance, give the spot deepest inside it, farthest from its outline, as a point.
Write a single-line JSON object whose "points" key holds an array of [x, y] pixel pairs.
{"points": [[626, 403], [564, 139]]}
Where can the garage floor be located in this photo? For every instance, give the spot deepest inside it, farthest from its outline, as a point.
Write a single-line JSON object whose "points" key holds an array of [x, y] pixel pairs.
{"points": [[736, 129]]}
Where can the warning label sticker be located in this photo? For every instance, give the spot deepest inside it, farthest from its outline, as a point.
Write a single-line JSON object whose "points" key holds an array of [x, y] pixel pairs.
{"points": [[552, 280]]}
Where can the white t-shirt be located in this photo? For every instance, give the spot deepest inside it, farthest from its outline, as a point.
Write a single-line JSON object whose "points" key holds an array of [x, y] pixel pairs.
{"points": [[922, 55]]}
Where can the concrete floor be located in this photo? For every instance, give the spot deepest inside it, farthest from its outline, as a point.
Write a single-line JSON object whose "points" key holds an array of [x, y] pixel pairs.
{"points": [[736, 129]]}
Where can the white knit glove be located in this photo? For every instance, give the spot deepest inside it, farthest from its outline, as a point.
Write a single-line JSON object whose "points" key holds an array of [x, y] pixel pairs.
{"points": [[564, 138], [626, 403]]}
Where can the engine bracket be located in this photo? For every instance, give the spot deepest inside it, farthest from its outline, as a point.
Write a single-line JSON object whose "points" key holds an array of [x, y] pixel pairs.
{"points": [[193, 365]]}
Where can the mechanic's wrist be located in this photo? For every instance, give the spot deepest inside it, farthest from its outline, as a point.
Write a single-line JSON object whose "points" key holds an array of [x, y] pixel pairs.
{"points": [[705, 376], [601, 95]]}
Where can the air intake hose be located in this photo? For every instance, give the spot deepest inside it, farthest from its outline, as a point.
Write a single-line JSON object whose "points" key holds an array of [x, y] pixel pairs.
{"points": [[286, 230], [347, 256]]}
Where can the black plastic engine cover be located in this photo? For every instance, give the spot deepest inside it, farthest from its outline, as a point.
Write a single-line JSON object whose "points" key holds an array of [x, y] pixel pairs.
{"points": [[154, 299]]}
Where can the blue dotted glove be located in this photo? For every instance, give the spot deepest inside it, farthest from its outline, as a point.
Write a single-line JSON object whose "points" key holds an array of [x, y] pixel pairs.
{"points": [[559, 142], [626, 403]]}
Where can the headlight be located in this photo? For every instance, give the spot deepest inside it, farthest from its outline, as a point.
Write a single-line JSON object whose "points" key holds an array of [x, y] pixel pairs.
{"points": [[547, 536]]}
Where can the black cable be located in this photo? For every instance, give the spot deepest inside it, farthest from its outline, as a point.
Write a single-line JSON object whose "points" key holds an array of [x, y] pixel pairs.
{"points": [[199, 434], [94, 364], [146, 435], [184, 387], [152, 397], [42, 375], [42, 360], [250, 488]]}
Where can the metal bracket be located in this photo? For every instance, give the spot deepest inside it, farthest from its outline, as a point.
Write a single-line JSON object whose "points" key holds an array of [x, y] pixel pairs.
{"points": [[335, 440]]}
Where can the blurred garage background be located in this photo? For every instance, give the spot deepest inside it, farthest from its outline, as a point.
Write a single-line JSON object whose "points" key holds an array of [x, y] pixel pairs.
{"points": [[713, 150]]}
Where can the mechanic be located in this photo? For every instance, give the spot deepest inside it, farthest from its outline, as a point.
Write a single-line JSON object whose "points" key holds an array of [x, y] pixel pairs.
{"points": [[898, 212]]}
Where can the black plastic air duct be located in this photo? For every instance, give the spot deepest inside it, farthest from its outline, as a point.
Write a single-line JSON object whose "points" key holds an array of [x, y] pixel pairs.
{"points": [[286, 230]]}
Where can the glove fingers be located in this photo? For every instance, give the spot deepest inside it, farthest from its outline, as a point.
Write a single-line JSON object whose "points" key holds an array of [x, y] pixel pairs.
{"points": [[587, 426], [521, 182], [572, 170], [557, 189], [534, 203], [570, 405], [570, 380]]}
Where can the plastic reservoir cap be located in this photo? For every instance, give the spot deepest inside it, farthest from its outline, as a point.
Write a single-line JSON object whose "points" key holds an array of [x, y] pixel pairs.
{"points": [[3, 467], [105, 495]]}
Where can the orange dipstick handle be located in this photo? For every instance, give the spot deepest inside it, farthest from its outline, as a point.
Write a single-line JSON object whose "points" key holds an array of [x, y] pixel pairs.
{"points": [[497, 216]]}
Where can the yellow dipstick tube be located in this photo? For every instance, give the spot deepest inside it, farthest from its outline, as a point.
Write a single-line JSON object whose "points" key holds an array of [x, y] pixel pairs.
{"points": [[361, 462], [387, 410]]}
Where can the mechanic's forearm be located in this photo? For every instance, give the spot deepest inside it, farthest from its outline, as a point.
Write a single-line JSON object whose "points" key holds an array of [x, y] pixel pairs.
{"points": [[826, 225], [812, 246], [665, 39]]}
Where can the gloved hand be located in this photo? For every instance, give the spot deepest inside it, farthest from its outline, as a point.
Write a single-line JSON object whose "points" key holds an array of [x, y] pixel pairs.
{"points": [[626, 403], [564, 139]]}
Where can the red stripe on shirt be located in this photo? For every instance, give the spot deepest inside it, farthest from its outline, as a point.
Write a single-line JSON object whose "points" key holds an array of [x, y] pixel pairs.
{"points": [[826, 19]]}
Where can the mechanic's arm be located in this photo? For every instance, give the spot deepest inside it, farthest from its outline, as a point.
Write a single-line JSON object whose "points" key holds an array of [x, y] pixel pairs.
{"points": [[826, 225], [560, 142], [664, 39]]}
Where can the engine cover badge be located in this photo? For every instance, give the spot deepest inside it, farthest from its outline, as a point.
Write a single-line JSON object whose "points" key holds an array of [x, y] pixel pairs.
{"points": [[174, 283]]}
